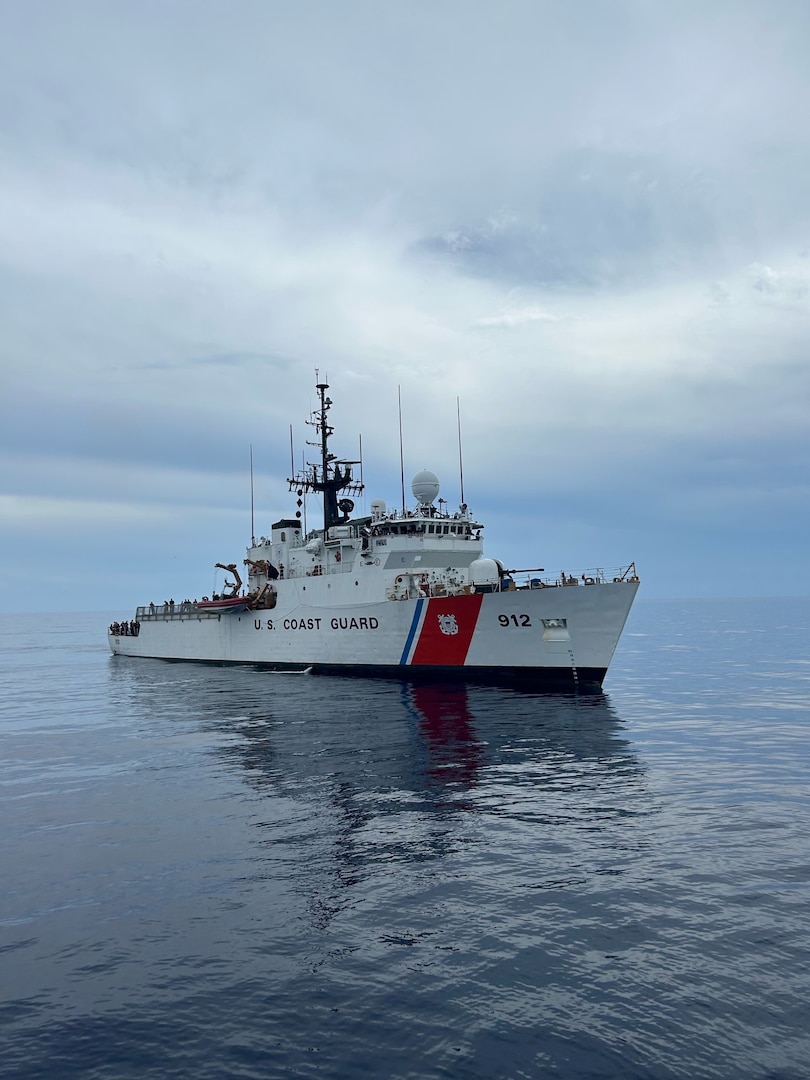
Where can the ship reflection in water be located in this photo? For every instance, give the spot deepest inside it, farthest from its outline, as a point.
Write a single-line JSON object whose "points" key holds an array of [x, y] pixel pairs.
{"points": [[454, 753], [358, 777], [291, 734]]}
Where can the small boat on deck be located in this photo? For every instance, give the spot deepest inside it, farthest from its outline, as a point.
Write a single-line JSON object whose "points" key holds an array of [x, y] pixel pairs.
{"points": [[225, 604], [230, 601]]}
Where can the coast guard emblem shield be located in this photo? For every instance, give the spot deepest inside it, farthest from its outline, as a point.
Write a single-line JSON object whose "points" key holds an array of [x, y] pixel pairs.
{"points": [[448, 624]]}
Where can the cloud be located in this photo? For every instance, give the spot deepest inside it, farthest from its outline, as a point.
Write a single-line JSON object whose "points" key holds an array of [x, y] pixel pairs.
{"points": [[517, 316], [71, 515], [782, 286], [586, 222]]}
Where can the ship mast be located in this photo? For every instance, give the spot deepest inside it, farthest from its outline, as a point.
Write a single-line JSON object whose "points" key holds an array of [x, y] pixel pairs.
{"points": [[330, 475]]}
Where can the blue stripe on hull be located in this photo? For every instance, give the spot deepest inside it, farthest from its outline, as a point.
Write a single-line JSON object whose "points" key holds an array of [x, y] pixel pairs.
{"points": [[417, 615]]}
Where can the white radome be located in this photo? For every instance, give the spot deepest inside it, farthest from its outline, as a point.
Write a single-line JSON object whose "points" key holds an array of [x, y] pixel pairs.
{"points": [[425, 487]]}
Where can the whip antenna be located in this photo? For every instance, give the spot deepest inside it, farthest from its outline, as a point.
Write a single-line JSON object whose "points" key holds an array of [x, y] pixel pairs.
{"points": [[460, 460], [252, 528], [401, 455]]}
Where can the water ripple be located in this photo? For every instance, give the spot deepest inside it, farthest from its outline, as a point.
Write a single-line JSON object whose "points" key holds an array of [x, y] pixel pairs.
{"points": [[209, 872]]}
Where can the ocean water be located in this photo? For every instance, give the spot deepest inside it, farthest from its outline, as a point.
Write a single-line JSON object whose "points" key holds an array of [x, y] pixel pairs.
{"points": [[212, 872]]}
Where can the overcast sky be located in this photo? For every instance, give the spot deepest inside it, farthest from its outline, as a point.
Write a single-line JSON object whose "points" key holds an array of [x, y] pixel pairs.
{"points": [[589, 221]]}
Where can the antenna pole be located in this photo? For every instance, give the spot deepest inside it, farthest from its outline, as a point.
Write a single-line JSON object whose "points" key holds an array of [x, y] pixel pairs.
{"points": [[252, 528], [331, 474], [460, 459], [401, 454]]}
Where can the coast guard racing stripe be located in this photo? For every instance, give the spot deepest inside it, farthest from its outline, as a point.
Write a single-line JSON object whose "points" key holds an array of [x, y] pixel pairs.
{"points": [[447, 627]]}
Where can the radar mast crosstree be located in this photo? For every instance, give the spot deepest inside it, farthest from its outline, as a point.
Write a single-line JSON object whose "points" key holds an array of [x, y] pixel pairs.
{"points": [[331, 474]]}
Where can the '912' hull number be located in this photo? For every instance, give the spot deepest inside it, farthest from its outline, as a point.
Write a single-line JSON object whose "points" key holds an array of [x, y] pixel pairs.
{"points": [[514, 620]]}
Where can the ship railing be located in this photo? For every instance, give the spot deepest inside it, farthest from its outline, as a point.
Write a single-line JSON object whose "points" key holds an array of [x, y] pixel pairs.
{"points": [[421, 513], [593, 575], [186, 609], [324, 569]]}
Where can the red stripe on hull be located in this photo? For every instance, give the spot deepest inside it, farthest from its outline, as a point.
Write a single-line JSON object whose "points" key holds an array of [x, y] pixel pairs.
{"points": [[447, 630]]}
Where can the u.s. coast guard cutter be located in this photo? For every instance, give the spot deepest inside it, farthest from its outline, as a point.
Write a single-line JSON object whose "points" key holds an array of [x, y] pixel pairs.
{"points": [[405, 593]]}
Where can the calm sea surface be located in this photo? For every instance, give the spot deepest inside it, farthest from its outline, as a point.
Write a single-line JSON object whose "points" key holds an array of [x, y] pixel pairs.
{"points": [[210, 872]]}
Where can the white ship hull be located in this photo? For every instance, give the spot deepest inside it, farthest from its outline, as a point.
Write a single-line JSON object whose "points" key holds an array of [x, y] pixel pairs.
{"points": [[551, 638]]}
